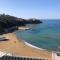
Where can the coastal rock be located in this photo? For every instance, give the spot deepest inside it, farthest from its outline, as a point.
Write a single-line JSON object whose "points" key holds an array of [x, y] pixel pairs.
{"points": [[34, 21], [9, 23]]}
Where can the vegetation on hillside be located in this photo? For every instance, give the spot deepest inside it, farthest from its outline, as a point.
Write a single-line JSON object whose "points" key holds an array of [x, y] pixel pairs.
{"points": [[7, 21]]}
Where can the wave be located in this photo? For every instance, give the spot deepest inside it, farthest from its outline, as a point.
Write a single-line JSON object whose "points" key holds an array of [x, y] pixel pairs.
{"points": [[33, 46]]}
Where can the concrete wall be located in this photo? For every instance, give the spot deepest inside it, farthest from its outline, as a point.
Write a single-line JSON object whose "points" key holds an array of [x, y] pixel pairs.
{"points": [[55, 56]]}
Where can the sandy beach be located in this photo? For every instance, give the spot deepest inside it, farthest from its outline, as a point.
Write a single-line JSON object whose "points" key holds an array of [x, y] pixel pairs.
{"points": [[18, 48]]}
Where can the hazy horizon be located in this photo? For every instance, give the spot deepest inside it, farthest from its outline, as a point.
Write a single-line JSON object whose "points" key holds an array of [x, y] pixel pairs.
{"points": [[42, 9]]}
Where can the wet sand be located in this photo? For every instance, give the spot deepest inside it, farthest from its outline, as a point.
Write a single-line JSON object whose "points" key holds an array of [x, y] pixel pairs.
{"points": [[18, 48]]}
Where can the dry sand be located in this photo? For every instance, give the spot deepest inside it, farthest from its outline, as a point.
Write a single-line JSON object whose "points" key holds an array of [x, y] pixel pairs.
{"points": [[17, 47]]}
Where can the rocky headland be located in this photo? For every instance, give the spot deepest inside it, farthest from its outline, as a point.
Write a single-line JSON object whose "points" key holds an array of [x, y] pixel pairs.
{"points": [[10, 23]]}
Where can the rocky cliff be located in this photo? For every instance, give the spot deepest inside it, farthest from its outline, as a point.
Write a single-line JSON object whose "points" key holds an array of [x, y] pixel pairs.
{"points": [[7, 21]]}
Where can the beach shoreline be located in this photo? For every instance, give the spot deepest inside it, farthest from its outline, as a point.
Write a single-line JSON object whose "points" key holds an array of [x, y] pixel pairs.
{"points": [[32, 46], [18, 48]]}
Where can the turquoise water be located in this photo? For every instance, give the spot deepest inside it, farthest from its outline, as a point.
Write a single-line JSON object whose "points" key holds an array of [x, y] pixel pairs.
{"points": [[45, 35]]}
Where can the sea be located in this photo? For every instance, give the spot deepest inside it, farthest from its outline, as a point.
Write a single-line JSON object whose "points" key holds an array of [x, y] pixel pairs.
{"points": [[45, 35]]}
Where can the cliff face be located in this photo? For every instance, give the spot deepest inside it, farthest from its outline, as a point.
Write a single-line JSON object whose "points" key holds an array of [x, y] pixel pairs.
{"points": [[7, 21], [34, 21]]}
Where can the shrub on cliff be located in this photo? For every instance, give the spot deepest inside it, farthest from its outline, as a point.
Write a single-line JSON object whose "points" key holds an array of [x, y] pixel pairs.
{"points": [[8, 22]]}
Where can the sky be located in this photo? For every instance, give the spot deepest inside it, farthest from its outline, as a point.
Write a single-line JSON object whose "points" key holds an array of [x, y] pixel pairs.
{"points": [[42, 9]]}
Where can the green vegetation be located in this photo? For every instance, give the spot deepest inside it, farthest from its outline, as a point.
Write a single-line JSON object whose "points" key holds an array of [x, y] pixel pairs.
{"points": [[10, 23]]}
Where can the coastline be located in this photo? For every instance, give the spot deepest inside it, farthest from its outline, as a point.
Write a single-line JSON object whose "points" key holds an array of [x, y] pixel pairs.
{"points": [[26, 43], [32, 46], [18, 48]]}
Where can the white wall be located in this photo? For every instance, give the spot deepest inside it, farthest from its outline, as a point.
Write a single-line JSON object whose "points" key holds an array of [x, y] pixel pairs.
{"points": [[55, 57]]}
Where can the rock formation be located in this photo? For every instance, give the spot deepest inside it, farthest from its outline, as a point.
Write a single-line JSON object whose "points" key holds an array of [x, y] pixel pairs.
{"points": [[11, 23]]}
